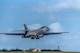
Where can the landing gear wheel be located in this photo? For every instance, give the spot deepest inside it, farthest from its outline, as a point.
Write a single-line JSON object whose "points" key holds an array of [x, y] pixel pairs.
{"points": [[32, 37], [37, 38]]}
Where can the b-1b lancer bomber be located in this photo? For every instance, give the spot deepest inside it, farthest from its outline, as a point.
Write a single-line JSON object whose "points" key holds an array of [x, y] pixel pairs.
{"points": [[34, 34]]}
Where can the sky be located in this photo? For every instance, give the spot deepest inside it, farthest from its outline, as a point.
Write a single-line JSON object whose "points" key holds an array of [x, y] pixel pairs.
{"points": [[58, 15]]}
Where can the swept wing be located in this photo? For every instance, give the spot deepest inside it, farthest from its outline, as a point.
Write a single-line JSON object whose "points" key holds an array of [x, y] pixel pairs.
{"points": [[13, 33], [52, 33]]}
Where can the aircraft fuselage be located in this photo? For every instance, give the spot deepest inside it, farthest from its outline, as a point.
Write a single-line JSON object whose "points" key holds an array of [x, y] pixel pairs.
{"points": [[36, 34]]}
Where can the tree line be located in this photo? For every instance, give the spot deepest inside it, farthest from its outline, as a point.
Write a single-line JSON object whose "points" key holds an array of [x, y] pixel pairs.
{"points": [[6, 50]]}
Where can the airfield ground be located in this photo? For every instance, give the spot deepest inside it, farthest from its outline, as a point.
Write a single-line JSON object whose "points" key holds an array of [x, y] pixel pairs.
{"points": [[39, 52]]}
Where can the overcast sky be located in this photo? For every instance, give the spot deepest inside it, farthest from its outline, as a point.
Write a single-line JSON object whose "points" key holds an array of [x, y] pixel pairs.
{"points": [[58, 15]]}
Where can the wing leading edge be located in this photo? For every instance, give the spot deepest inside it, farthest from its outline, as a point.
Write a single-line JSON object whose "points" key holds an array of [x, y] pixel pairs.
{"points": [[13, 33], [52, 33]]}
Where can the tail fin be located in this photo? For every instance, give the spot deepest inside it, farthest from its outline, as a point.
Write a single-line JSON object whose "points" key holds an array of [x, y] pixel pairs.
{"points": [[25, 27]]}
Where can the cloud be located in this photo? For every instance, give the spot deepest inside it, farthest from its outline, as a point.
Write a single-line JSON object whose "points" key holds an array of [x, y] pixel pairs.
{"points": [[56, 27], [68, 4], [61, 5]]}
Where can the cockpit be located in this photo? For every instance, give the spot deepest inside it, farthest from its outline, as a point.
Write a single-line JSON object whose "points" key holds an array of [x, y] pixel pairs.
{"points": [[45, 28]]}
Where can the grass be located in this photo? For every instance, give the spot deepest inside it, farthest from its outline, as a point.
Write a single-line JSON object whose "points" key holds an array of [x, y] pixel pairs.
{"points": [[71, 52]]}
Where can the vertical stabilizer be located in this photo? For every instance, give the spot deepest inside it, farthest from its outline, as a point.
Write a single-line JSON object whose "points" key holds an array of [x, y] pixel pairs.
{"points": [[25, 27]]}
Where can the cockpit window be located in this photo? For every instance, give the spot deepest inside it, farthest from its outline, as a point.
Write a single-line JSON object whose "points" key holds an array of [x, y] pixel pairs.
{"points": [[43, 27]]}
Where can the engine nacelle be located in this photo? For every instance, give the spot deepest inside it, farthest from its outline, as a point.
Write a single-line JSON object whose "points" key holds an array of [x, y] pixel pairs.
{"points": [[35, 37], [32, 37]]}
